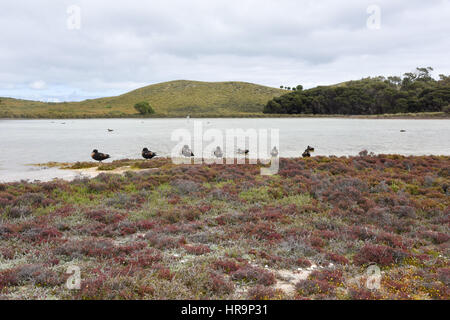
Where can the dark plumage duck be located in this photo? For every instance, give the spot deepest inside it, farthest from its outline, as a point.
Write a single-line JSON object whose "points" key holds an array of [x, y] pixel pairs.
{"points": [[218, 152], [186, 151], [307, 153], [98, 156], [147, 154]]}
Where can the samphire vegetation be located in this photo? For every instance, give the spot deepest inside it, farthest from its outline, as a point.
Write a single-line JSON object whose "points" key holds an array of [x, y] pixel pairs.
{"points": [[415, 92], [226, 232]]}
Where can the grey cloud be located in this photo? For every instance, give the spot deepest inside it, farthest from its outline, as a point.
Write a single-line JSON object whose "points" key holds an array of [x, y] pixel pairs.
{"points": [[126, 44]]}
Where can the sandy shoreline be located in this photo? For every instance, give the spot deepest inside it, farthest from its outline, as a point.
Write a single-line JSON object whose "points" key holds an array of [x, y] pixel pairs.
{"points": [[93, 172], [405, 116]]}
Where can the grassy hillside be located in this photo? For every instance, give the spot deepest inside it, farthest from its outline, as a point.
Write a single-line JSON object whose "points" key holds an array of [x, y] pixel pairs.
{"points": [[169, 99]]}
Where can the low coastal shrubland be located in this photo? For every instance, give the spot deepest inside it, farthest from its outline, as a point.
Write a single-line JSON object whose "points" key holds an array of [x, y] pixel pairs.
{"points": [[226, 232]]}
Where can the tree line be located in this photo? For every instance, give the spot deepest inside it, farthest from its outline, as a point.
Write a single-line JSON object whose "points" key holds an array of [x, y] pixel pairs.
{"points": [[416, 91]]}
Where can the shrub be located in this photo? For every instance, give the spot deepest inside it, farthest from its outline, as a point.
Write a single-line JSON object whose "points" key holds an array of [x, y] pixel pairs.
{"points": [[446, 109], [219, 284], [254, 274], [438, 237], [165, 273], [6, 232], [317, 242], [185, 187], [263, 231], [303, 263], [31, 199], [19, 212], [104, 216], [197, 250], [329, 275], [309, 287], [260, 292], [444, 276], [226, 265], [40, 234], [121, 200], [7, 253], [144, 258], [404, 211], [8, 278], [144, 108], [35, 274], [337, 258], [379, 254], [363, 294], [95, 186], [161, 241], [363, 153]]}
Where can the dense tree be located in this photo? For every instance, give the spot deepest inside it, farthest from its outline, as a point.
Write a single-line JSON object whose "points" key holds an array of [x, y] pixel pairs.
{"points": [[447, 109], [415, 92], [144, 108]]}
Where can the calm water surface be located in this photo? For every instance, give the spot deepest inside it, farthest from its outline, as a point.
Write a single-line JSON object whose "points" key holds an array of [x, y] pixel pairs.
{"points": [[24, 142]]}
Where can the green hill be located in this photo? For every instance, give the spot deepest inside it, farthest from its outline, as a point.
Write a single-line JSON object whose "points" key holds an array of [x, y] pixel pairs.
{"points": [[168, 99]]}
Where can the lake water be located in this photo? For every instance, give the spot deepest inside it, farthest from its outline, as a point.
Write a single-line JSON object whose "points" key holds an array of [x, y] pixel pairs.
{"points": [[24, 142]]}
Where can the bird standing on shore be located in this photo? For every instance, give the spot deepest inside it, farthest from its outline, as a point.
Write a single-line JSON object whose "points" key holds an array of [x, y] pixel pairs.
{"points": [[307, 153], [98, 156], [218, 152], [147, 154], [274, 152], [240, 151], [186, 151]]}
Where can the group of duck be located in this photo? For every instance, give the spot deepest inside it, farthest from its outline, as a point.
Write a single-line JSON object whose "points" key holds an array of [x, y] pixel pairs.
{"points": [[187, 152], [98, 156]]}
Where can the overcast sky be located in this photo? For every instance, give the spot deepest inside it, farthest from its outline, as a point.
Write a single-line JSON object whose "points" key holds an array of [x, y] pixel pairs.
{"points": [[57, 50]]}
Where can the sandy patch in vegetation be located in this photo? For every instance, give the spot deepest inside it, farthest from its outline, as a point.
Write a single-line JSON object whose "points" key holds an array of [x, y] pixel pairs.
{"points": [[93, 172], [287, 279]]}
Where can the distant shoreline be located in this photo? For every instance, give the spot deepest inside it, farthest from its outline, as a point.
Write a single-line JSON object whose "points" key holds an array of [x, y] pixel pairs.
{"points": [[406, 116]]}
